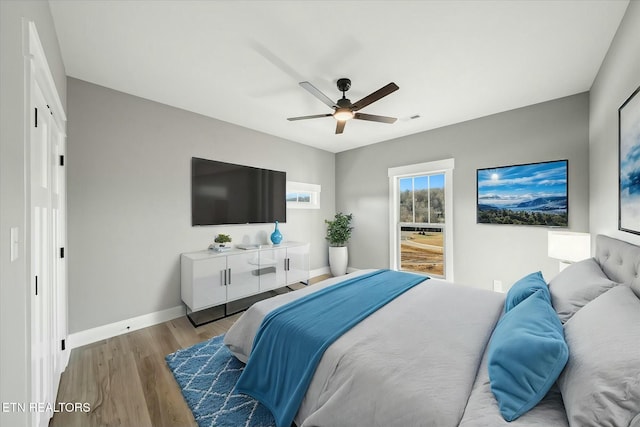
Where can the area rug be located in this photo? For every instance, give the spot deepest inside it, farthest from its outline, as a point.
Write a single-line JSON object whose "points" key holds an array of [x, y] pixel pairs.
{"points": [[207, 373]]}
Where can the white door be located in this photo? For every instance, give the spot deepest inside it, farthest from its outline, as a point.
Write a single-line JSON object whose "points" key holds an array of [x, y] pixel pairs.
{"points": [[42, 350], [47, 232]]}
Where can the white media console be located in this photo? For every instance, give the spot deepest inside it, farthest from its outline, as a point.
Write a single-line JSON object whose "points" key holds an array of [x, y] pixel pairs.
{"points": [[210, 278]]}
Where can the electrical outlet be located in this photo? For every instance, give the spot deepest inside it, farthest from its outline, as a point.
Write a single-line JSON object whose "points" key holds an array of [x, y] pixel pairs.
{"points": [[497, 286]]}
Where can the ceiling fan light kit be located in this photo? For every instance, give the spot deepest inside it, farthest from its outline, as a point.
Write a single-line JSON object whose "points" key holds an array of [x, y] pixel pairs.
{"points": [[343, 114], [343, 108]]}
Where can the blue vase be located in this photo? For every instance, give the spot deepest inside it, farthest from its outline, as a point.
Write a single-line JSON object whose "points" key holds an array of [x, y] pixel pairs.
{"points": [[276, 236]]}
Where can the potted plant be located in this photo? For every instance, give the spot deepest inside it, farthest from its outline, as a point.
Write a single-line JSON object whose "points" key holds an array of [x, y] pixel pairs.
{"points": [[221, 241], [338, 234]]}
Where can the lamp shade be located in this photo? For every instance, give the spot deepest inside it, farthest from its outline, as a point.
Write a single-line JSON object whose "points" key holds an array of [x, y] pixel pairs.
{"points": [[569, 246]]}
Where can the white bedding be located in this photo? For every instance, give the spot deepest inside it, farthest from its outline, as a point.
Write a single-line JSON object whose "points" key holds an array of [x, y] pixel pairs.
{"points": [[411, 363]]}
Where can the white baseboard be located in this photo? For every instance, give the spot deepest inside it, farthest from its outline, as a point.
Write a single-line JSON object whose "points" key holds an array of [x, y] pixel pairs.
{"points": [[319, 271], [78, 339], [327, 270]]}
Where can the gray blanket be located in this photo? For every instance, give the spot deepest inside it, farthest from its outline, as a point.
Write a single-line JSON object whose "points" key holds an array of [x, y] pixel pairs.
{"points": [[411, 363]]}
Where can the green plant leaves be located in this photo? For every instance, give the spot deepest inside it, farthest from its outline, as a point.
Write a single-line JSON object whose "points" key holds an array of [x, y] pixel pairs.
{"points": [[339, 230]]}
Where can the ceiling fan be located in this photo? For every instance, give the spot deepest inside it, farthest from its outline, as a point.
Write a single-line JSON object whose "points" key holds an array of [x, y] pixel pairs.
{"points": [[345, 110]]}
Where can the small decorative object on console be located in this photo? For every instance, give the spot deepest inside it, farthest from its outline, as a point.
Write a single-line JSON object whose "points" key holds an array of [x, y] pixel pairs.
{"points": [[276, 236], [220, 244]]}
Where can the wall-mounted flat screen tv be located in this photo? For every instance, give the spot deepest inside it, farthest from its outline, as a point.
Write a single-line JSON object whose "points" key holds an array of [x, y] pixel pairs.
{"points": [[226, 193], [530, 194]]}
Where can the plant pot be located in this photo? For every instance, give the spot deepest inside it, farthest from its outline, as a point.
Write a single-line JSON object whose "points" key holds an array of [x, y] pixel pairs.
{"points": [[338, 260]]}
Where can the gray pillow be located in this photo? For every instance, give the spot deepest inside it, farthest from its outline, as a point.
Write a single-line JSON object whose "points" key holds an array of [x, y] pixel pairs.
{"points": [[576, 285], [600, 385]]}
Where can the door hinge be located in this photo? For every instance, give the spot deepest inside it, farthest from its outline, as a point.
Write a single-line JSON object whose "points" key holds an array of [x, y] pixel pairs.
{"points": [[61, 160], [36, 285], [61, 252], [36, 117], [63, 345]]}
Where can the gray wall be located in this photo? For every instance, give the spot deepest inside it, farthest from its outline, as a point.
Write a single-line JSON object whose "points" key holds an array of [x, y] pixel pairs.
{"points": [[548, 131], [129, 199], [14, 295], [618, 77]]}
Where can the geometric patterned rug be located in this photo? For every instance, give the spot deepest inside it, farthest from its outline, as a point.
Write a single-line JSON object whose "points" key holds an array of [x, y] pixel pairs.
{"points": [[207, 374]]}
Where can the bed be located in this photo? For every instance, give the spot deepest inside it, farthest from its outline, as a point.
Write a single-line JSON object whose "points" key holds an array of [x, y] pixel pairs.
{"points": [[429, 357]]}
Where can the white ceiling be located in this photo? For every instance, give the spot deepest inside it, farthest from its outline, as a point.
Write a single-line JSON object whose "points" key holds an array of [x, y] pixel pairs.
{"points": [[241, 61]]}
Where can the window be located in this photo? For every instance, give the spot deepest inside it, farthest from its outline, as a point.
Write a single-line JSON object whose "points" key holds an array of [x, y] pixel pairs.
{"points": [[303, 196], [421, 224], [420, 218]]}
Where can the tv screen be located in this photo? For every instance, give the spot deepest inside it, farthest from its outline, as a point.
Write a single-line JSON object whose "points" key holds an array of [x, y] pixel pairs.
{"points": [[226, 193], [531, 194]]}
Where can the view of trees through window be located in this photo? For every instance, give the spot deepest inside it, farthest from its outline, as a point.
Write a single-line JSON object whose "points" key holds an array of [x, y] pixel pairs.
{"points": [[422, 214]]}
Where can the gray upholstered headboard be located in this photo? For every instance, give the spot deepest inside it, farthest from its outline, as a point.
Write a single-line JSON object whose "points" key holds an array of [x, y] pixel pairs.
{"points": [[619, 260]]}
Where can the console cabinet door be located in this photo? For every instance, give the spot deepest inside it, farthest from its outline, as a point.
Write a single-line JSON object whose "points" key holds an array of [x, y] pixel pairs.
{"points": [[272, 269], [243, 279], [298, 264], [208, 282]]}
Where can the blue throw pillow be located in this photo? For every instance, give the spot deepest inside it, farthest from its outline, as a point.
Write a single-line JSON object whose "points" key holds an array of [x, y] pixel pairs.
{"points": [[526, 355], [524, 288]]}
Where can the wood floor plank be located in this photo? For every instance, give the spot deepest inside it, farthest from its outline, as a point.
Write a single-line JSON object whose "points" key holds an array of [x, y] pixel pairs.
{"points": [[118, 346], [140, 342], [184, 332], [125, 404], [165, 403], [97, 390], [89, 368], [164, 341], [69, 379]]}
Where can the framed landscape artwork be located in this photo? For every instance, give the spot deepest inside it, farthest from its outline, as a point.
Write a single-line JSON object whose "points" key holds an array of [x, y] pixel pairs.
{"points": [[629, 164], [529, 194]]}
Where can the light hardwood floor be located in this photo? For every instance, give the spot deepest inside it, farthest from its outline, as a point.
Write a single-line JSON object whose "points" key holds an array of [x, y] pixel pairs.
{"points": [[126, 381]]}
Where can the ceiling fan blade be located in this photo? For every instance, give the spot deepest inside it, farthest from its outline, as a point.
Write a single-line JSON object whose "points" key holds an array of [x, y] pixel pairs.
{"points": [[315, 116], [316, 92], [374, 118], [340, 126], [380, 93]]}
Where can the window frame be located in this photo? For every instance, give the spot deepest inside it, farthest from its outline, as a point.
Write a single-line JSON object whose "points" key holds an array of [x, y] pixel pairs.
{"points": [[312, 190], [444, 166]]}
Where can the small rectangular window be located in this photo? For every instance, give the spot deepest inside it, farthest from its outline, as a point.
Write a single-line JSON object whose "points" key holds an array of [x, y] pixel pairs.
{"points": [[302, 196]]}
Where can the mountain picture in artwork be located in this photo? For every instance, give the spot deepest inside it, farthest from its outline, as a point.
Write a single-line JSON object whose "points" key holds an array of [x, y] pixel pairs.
{"points": [[530, 194]]}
